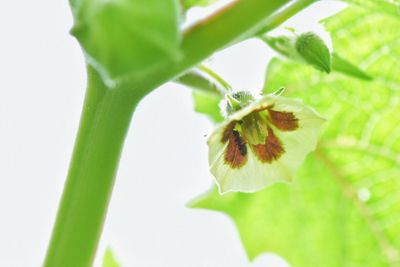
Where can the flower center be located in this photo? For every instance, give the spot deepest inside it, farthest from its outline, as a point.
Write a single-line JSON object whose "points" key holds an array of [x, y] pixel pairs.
{"points": [[255, 131]]}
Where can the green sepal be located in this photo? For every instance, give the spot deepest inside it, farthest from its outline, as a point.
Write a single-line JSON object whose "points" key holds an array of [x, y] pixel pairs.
{"points": [[339, 64]]}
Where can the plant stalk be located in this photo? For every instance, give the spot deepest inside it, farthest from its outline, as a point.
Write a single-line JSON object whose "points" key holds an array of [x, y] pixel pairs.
{"points": [[283, 15], [104, 123]]}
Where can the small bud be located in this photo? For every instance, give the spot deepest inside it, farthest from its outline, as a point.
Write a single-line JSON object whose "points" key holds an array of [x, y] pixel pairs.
{"points": [[314, 51], [237, 100]]}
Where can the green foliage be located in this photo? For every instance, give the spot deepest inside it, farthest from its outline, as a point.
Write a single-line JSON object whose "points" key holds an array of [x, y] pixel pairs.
{"points": [[109, 259], [343, 208], [368, 39], [390, 7], [127, 37]]}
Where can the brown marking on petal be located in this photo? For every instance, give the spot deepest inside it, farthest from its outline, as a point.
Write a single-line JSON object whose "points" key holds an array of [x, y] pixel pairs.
{"points": [[284, 121], [228, 131], [271, 150], [236, 151]]}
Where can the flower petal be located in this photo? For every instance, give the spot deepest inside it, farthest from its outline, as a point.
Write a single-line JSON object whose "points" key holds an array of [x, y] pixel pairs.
{"points": [[236, 151], [283, 120], [271, 150]]}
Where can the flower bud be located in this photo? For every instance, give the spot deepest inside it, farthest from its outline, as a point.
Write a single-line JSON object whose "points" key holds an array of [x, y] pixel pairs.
{"points": [[314, 51], [237, 100]]}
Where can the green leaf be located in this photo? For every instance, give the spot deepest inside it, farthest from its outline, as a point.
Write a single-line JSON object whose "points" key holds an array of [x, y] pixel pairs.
{"points": [[343, 209], [369, 40], [391, 7], [123, 38], [109, 259]]}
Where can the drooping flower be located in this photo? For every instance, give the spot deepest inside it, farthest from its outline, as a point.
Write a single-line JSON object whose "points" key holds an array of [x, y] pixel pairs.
{"points": [[261, 142]]}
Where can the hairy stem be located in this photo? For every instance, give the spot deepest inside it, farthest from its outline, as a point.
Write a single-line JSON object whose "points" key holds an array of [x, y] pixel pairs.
{"points": [[105, 120], [206, 80], [195, 79], [286, 13], [216, 77]]}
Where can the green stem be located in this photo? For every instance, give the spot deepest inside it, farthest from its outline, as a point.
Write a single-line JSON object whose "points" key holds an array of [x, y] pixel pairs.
{"points": [[206, 80], [283, 15], [197, 80], [216, 77], [105, 120]]}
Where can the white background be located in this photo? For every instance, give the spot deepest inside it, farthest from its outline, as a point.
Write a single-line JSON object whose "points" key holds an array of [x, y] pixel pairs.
{"points": [[164, 163]]}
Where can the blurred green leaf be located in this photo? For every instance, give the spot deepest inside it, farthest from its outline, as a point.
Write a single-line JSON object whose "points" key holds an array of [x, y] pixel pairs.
{"points": [[370, 40], [391, 7], [127, 37], [109, 259], [344, 207]]}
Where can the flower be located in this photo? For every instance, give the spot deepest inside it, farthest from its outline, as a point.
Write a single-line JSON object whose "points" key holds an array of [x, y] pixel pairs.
{"points": [[261, 142]]}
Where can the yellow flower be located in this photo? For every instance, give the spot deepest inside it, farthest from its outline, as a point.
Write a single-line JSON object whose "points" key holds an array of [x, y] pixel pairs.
{"points": [[261, 142]]}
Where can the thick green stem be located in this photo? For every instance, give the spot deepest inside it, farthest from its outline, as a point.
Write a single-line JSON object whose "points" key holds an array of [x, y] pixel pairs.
{"points": [[280, 17], [104, 123], [240, 19]]}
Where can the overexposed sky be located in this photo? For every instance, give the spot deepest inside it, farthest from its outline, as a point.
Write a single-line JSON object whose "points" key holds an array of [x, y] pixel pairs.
{"points": [[41, 93]]}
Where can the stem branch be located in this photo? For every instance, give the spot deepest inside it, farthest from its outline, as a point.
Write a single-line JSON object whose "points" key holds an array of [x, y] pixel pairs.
{"points": [[283, 15]]}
